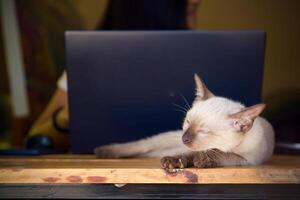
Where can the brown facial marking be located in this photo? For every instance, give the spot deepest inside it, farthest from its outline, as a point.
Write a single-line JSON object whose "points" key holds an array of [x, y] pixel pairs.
{"points": [[74, 179], [189, 135], [96, 179], [50, 179]]}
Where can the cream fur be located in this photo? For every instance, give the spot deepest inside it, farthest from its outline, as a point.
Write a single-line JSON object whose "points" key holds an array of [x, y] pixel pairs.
{"points": [[210, 119]]}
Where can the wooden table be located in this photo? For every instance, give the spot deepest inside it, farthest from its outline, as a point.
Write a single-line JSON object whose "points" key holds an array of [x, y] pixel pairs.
{"points": [[80, 175]]}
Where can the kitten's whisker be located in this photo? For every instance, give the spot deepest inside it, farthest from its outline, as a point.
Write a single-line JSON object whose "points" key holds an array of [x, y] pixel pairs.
{"points": [[179, 111], [179, 106], [185, 100]]}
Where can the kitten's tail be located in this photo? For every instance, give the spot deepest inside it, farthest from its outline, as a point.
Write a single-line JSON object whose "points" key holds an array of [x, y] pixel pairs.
{"points": [[125, 150], [148, 147]]}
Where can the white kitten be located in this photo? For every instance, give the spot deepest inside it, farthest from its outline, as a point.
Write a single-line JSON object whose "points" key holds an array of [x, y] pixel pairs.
{"points": [[216, 132]]}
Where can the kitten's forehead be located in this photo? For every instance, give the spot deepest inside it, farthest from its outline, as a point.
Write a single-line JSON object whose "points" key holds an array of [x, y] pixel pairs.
{"points": [[213, 107]]}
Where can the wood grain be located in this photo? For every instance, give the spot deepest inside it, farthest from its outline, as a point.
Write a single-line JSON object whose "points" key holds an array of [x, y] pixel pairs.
{"points": [[88, 169], [150, 191]]}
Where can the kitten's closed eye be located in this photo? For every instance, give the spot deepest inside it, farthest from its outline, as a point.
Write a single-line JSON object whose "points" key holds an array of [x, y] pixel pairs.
{"points": [[203, 131]]}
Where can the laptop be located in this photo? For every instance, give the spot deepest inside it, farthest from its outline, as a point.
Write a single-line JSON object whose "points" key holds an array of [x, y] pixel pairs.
{"points": [[128, 85]]}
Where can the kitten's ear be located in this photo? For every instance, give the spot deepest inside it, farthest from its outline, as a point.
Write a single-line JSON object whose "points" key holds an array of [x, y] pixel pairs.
{"points": [[202, 93], [243, 120]]}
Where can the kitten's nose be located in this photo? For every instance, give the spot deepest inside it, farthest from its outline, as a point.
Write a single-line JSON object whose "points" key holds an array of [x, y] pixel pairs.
{"points": [[187, 138]]}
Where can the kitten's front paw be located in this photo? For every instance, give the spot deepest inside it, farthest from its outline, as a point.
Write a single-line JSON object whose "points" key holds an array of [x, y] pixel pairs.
{"points": [[172, 164], [106, 151], [204, 162]]}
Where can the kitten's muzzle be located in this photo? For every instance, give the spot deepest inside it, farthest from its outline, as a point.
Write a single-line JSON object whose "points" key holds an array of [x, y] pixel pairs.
{"points": [[188, 137]]}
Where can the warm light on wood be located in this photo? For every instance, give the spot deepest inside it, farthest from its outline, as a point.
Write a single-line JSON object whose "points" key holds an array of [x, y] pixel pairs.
{"points": [[87, 169]]}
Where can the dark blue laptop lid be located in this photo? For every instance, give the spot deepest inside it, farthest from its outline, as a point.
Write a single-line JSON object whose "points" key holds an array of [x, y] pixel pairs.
{"points": [[123, 85]]}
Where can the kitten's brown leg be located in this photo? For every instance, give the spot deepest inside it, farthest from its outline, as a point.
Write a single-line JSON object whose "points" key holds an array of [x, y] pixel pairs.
{"points": [[107, 151], [177, 162], [125, 150], [216, 158]]}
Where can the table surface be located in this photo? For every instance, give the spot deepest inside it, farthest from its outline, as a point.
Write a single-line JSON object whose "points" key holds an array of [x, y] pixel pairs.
{"points": [[86, 169]]}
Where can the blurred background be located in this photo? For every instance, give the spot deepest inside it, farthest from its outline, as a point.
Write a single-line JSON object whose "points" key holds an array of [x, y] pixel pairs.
{"points": [[41, 26]]}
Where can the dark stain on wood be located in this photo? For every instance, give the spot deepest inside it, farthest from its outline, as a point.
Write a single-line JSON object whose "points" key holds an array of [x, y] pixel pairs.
{"points": [[191, 177], [50, 179], [96, 179], [74, 179], [16, 170], [172, 174]]}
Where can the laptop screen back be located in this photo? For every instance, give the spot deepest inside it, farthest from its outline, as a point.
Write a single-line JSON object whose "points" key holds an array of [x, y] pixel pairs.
{"points": [[126, 85]]}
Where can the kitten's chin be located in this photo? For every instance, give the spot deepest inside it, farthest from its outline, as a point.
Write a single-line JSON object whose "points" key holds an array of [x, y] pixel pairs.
{"points": [[193, 147]]}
